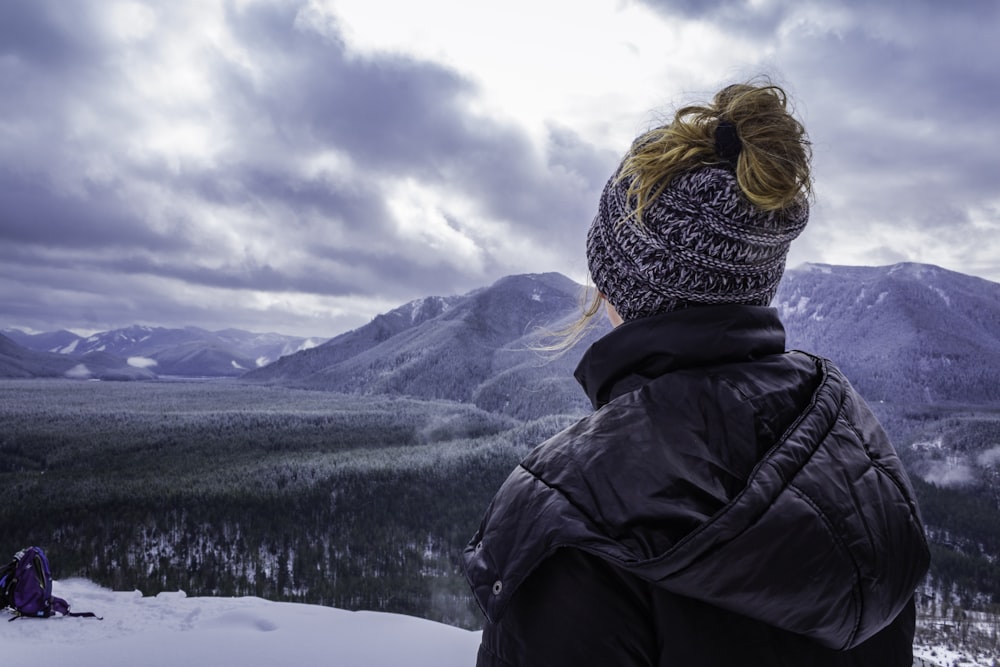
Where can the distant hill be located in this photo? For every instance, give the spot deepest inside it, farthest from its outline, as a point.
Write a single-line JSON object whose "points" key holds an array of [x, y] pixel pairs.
{"points": [[17, 361], [907, 333], [189, 351], [51, 341], [475, 348]]}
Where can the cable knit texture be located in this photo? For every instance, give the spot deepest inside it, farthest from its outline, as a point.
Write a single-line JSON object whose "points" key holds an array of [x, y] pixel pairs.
{"points": [[700, 241]]}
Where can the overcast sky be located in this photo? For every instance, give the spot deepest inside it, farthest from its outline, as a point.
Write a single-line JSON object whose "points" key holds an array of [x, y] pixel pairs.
{"points": [[301, 166]]}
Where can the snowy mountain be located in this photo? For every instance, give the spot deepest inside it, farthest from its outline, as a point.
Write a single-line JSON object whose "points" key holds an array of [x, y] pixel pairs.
{"points": [[190, 351], [475, 348], [907, 333]]}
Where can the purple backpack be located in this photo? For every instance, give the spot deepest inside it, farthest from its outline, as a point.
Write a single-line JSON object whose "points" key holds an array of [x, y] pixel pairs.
{"points": [[26, 587]]}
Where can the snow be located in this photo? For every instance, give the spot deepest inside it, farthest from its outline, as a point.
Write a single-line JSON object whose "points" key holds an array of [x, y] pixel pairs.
{"points": [[141, 362], [79, 371], [940, 656], [799, 308], [68, 349], [943, 656], [172, 629]]}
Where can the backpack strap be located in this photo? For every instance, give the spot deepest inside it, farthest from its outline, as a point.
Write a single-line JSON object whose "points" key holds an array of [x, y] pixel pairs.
{"points": [[59, 606]]}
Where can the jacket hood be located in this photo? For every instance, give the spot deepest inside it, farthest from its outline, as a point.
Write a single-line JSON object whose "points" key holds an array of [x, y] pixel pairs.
{"points": [[822, 538]]}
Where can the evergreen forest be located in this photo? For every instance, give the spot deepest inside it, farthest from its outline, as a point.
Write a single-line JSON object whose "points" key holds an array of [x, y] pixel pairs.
{"points": [[218, 488]]}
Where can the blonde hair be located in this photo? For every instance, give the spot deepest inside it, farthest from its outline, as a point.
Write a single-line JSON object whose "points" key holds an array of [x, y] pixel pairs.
{"points": [[772, 168], [565, 338]]}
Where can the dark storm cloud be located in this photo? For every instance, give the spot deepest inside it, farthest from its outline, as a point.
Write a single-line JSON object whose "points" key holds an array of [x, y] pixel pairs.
{"points": [[747, 18], [145, 215], [47, 33], [96, 217], [904, 95], [162, 173]]}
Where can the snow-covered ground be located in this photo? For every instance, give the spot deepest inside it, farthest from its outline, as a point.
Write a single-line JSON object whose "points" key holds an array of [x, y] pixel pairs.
{"points": [[173, 630], [948, 643], [937, 656]]}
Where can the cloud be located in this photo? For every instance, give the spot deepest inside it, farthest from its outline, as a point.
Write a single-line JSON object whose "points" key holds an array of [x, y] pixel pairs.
{"points": [[259, 163], [940, 473], [266, 158]]}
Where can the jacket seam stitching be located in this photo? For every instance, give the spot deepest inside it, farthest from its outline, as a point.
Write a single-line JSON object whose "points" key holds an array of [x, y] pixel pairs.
{"points": [[881, 467], [844, 550]]}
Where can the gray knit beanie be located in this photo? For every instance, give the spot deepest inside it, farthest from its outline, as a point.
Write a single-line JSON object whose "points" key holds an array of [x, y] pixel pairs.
{"points": [[700, 242]]}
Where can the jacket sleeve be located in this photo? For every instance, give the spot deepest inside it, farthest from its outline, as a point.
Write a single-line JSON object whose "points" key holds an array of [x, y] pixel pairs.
{"points": [[574, 610]]}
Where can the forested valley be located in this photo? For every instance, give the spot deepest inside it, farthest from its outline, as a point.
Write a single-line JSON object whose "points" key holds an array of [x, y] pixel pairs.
{"points": [[216, 488], [358, 502]]}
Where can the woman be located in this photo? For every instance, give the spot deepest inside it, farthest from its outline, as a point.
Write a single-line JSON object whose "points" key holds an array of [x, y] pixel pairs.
{"points": [[728, 502]]}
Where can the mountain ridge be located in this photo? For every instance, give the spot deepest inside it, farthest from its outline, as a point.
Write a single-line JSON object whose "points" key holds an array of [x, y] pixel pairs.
{"points": [[451, 351], [188, 351], [904, 333]]}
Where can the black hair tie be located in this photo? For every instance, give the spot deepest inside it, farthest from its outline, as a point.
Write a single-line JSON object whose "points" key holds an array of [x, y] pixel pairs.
{"points": [[727, 142]]}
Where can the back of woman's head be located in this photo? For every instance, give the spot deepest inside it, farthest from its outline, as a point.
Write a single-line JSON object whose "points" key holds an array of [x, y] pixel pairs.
{"points": [[702, 210]]}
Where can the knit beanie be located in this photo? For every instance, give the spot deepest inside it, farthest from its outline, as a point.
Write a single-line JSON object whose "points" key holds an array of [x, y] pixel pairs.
{"points": [[700, 242]]}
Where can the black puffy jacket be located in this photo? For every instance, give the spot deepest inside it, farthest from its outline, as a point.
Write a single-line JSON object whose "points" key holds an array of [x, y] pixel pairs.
{"points": [[727, 500]]}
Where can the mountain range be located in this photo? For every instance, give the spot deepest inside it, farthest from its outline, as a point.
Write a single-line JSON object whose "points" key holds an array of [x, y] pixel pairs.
{"points": [[155, 351], [906, 333]]}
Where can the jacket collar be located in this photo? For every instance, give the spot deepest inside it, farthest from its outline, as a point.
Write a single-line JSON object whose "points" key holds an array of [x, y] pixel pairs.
{"points": [[639, 350]]}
